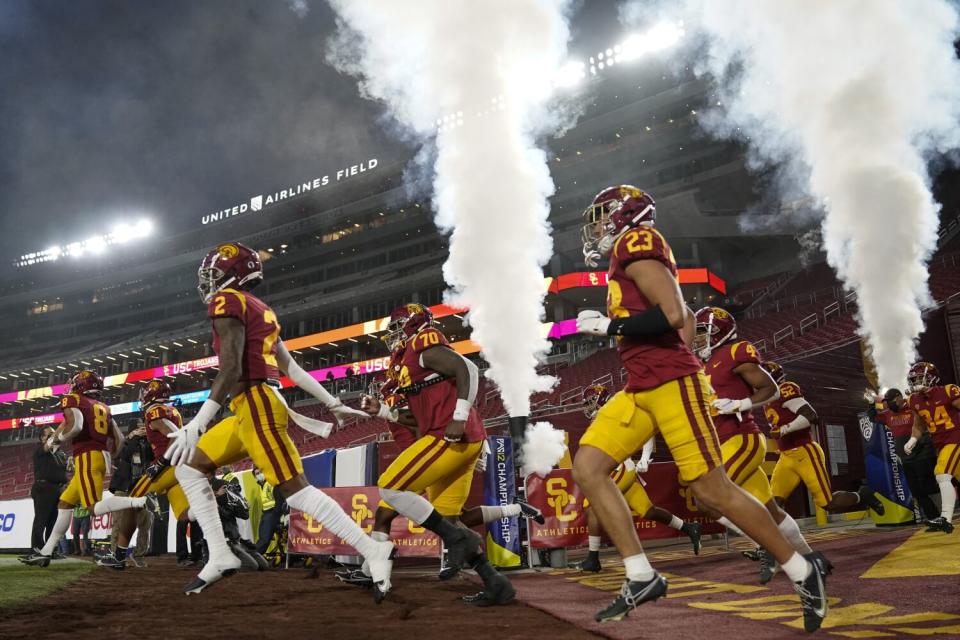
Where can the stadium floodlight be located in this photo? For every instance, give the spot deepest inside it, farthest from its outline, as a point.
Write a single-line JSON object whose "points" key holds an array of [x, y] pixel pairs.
{"points": [[658, 37], [95, 245]]}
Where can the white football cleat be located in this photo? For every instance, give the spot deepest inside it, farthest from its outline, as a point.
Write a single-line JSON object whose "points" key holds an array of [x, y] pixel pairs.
{"points": [[380, 563], [213, 571]]}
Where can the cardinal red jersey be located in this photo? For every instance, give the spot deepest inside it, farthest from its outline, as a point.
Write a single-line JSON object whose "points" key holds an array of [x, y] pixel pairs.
{"points": [[900, 423], [779, 416], [433, 405], [649, 361], [159, 441], [261, 329], [935, 407], [727, 384], [96, 423]]}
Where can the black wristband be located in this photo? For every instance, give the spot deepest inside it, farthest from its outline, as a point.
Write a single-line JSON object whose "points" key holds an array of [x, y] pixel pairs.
{"points": [[651, 322]]}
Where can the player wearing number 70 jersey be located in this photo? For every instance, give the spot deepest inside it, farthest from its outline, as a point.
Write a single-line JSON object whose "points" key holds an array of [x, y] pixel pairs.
{"points": [[87, 423], [246, 337], [937, 410]]}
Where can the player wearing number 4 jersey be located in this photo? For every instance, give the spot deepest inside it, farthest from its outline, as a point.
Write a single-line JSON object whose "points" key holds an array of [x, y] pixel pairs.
{"points": [[87, 423], [666, 391], [801, 458], [246, 337], [937, 410], [739, 385]]}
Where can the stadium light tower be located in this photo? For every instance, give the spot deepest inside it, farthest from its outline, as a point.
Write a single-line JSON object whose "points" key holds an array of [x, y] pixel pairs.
{"points": [[120, 233]]}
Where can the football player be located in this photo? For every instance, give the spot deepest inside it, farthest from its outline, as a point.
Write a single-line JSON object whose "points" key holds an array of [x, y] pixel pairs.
{"points": [[801, 458], [246, 337], [666, 391], [450, 502], [88, 425], [440, 387], [739, 384], [937, 410], [628, 481], [161, 419]]}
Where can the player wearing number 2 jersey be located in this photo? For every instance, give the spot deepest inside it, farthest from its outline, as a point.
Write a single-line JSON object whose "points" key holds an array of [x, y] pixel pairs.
{"points": [[246, 337], [937, 410], [801, 457], [88, 424], [666, 391]]}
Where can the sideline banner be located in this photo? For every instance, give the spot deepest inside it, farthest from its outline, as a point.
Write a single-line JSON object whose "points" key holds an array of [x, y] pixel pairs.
{"points": [[308, 536], [563, 505], [885, 473], [500, 488]]}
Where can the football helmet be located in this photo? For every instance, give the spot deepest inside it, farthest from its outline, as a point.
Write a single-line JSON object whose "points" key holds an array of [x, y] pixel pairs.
{"points": [[228, 265], [922, 376], [775, 370], [86, 382], [594, 397], [406, 321], [613, 211], [715, 326], [154, 392]]}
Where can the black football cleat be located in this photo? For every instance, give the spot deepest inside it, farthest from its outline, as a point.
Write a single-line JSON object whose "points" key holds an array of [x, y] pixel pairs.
{"points": [[498, 592], [693, 530], [356, 577], [112, 562], [940, 524], [824, 565], [752, 554], [152, 504], [530, 512], [632, 595], [459, 548], [869, 498], [591, 563], [36, 559], [813, 596], [768, 566]]}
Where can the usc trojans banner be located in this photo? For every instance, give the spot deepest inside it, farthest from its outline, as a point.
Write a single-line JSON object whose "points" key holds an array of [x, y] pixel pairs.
{"points": [[563, 505], [308, 536]]}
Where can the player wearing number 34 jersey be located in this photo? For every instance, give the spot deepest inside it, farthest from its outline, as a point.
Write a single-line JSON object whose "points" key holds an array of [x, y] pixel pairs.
{"points": [[937, 410], [246, 337]]}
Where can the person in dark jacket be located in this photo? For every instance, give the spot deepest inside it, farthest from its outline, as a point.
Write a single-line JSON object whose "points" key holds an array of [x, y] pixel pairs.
{"points": [[49, 476], [130, 465]]}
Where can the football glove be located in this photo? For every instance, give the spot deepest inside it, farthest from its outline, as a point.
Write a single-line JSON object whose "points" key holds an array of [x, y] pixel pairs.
{"points": [[726, 406], [593, 323], [183, 443], [342, 412]]}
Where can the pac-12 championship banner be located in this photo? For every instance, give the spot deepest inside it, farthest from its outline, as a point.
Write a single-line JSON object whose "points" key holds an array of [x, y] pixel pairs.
{"points": [[563, 505], [885, 473], [500, 488], [308, 536]]}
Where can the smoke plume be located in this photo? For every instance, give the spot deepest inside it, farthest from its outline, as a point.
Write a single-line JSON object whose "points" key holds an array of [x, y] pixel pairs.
{"points": [[473, 78], [852, 98], [543, 446]]}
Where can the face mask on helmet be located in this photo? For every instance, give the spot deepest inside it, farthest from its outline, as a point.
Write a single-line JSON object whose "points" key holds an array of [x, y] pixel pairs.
{"points": [[395, 338]]}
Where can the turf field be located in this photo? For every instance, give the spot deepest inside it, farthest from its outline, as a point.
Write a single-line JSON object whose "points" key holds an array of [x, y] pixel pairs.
{"points": [[20, 583]]}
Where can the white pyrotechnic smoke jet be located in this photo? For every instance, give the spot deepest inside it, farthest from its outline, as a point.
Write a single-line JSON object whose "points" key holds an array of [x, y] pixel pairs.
{"points": [[851, 98], [477, 75]]}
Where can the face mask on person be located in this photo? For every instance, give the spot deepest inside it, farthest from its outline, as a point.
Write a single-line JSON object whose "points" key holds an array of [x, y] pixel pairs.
{"points": [[260, 477]]}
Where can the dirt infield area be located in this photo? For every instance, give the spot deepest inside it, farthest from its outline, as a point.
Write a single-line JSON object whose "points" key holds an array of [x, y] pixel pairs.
{"points": [[295, 603]]}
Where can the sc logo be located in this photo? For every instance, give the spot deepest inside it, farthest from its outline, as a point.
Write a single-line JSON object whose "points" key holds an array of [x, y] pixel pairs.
{"points": [[6, 521]]}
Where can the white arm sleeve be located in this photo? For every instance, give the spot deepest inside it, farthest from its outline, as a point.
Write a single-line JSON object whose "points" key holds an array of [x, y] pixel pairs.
{"points": [[795, 404], [796, 424], [306, 382], [77, 423]]}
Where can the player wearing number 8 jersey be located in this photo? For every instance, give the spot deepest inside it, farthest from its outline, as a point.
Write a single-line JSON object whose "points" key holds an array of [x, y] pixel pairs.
{"points": [[246, 337], [667, 392], [937, 410], [87, 423]]}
